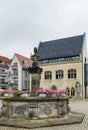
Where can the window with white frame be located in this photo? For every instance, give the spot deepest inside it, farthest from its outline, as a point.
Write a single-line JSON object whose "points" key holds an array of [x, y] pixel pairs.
{"points": [[59, 74], [48, 75], [71, 73]]}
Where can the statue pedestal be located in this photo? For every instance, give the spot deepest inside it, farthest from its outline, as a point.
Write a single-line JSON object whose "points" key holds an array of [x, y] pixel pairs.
{"points": [[35, 83]]}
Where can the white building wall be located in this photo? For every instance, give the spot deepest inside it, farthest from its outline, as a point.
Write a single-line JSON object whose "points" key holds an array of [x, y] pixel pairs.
{"points": [[5, 78], [15, 59]]}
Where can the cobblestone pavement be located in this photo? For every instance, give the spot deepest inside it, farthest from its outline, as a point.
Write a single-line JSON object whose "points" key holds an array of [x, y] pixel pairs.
{"points": [[77, 106]]}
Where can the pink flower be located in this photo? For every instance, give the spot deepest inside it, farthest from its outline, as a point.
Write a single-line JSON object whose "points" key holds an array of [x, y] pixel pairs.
{"points": [[54, 92], [24, 91], [40, 91], [62, 91], [51, 92], [9, 91]]}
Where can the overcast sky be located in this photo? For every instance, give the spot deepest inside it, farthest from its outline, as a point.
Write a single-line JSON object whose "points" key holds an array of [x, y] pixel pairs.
{"points": [[24, 23]]}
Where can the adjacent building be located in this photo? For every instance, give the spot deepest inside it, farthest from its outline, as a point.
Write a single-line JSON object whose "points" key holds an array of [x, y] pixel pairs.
{"points": [[18, 75], [4, 66], [63, 62]]}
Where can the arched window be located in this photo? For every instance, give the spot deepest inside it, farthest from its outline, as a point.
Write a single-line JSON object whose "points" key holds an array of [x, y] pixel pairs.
{"points": [[54, 87], [48, 75], [71, 73], [59, 74], [67, 89], [72, 91]]}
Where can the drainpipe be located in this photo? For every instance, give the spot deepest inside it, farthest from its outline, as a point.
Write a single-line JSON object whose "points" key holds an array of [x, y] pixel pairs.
{"points": [[85, 77], [83, 82]]}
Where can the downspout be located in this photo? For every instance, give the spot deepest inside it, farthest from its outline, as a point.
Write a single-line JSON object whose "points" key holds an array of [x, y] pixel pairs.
{"points": [[85, 75], [83, 65]]}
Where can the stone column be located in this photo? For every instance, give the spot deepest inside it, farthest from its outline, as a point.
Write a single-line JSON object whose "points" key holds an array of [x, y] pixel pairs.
{"points": [[35, 72]]}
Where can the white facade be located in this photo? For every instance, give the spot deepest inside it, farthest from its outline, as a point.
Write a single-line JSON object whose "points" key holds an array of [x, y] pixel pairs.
{"points": [[4, 64], [3, 78], [16, 76]]}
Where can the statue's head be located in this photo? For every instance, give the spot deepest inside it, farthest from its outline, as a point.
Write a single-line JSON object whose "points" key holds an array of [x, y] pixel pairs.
{"points": [[35, 50]]}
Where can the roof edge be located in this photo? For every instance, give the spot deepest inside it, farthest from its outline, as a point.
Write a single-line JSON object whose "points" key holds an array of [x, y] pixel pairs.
{"points": [[63, 38]]}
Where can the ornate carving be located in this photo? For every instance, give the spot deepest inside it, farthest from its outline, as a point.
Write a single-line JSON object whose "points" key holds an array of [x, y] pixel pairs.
{"points": [[19, 111], [62, 108], [5, 109], [32, 114], [46, 109]]}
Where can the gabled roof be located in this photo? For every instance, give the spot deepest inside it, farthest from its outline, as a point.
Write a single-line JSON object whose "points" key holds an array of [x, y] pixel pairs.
{"points": [[22, 59], [5, 62], [61, 48]]}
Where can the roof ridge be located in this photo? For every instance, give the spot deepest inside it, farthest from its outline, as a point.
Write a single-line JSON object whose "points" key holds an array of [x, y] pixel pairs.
{"points": [[21, 55], [21, 59], [4, 57], [62, 38]]}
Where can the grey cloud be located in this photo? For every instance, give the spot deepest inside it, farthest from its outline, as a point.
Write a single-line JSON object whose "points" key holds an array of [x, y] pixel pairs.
{"points": [[23, 23]]}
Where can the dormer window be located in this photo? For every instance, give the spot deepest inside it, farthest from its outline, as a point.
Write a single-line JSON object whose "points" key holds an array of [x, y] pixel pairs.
{"points": [[25, 63]]}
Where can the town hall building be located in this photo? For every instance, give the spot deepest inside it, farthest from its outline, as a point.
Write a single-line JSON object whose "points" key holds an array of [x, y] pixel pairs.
{"points": [[63, 62]]}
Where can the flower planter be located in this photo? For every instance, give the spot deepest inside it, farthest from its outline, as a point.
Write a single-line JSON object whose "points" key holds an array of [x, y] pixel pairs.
{"points": [[54, 95], [63, 94], [24, 95], [6, 95], [11, 95], [42, 95]]}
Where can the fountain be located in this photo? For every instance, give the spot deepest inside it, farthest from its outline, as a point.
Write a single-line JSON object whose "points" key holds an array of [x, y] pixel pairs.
{"points": [[35, 107]]}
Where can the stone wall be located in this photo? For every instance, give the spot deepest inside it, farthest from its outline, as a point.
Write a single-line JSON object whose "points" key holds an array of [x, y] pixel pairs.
{"points": [[35, 108], [65, 82]]}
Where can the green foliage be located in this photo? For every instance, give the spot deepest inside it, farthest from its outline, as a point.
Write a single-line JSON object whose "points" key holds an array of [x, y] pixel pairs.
{"points": [[17, 93]]}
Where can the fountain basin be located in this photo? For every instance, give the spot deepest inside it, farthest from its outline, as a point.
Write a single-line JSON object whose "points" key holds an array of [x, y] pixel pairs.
{"points": [[34, 107]]}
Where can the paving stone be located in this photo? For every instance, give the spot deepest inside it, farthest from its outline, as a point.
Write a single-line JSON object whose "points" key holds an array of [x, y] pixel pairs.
{"points": [[71, 118]]}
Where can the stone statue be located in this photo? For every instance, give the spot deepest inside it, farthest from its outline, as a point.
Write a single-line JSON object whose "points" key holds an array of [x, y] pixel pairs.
{"points": [[35, 50], [35, 72], [34, 58], [78, 89]]}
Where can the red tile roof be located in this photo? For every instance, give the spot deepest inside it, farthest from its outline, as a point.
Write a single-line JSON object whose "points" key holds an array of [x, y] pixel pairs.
{"points": [[22, 59], [5, 60]]}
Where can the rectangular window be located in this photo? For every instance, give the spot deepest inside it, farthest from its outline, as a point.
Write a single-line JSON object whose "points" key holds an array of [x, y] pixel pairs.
{"points": [[48, 75], [71, 73], [59, 74]]}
